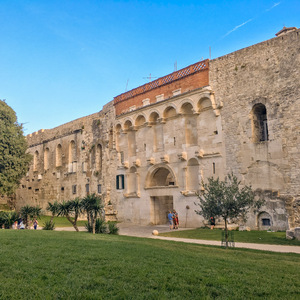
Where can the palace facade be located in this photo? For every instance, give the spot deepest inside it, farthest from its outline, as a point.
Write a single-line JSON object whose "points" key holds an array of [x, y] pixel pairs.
{"points": [[148, 150]]}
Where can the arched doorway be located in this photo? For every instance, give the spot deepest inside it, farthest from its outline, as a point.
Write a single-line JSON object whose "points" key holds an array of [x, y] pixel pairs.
{"points": [[161, 180]]}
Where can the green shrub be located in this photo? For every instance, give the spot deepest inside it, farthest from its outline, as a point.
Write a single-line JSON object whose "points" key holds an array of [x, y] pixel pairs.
{"points": [[7, 218], [48, 225], [112, 227], [100, 226]]}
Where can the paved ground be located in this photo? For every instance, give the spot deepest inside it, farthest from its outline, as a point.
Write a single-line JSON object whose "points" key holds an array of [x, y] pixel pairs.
{"points": [[146, 232]]}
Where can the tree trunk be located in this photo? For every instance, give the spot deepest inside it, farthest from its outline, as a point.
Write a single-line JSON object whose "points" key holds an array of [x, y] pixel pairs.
{"points": [[94, 225], [73, 223], [26, 222], [226, 234], [51, 220], [88, 218]]}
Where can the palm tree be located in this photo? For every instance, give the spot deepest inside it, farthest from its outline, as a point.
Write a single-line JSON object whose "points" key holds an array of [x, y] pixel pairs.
{"points": [[93, 206], [8, 218], [69, 208], [36, 212], [26, 212], [53, 208]]}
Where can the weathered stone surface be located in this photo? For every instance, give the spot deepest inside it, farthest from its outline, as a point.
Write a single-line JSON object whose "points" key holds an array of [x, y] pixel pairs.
{"points": [[289, 234], [241, 116], [297, 233]]}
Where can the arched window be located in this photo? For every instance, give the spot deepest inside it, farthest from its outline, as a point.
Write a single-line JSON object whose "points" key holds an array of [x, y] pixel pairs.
{"points": [[46, 159], [118, 137], [169, 112], [35, 161], [130, 138], [157, 132], [132, 182], [99, 158], [259, 123], [264, 221], [140, 120], [190, 124], [162, 177], [72, 157], [58, 156], [192, 175]]}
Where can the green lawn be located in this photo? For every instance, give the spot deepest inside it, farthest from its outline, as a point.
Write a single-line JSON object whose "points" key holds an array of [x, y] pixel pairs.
{"points": [[60, 221], [259, 237], [71, 265]]}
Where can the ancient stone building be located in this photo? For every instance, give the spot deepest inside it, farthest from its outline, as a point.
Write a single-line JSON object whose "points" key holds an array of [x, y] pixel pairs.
{"points": [[149, 149]]}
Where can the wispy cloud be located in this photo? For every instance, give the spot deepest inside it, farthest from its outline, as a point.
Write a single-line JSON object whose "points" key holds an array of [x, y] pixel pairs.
{"points": [[237, 27], [274, 5]]}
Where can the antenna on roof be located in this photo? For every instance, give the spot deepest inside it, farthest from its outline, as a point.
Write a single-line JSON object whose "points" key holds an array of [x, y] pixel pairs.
{"points": [[126, 85], [149, 77]]}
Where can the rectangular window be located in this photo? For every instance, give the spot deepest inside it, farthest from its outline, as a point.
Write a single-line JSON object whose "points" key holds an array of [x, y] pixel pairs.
{"points": [[99, 188], [120, 182], [87, 188], [74, 187]]}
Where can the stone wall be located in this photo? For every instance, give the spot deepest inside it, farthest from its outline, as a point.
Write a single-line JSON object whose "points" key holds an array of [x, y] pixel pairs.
{"points": [[268, 74], [148, 152], [72, 160]]}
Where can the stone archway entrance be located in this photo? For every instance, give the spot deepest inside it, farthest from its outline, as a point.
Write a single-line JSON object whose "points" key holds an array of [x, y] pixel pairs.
{"points": [[160, 183], [159, 208]]}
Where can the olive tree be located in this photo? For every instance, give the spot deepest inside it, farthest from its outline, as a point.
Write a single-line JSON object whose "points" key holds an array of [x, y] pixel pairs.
{"points": [[226, 199]]}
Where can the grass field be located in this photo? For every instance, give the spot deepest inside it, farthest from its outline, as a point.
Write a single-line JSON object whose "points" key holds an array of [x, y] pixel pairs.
{"points": [[60, 221], [70, 265], [259, 237]]}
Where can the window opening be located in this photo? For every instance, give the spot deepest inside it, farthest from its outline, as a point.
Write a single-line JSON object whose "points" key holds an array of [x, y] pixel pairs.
{"points": [[260, 123], [74, 189], [266, 222], [120, 184]]}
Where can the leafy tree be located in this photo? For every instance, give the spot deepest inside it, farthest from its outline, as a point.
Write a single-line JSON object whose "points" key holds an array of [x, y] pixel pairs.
{"points": [[226, 199], [14, 160], [69, 209], [54, 209], [93, 206]]}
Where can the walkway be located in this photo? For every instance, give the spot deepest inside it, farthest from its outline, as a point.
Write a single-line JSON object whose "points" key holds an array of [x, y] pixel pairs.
{"points": [[146, 231]]}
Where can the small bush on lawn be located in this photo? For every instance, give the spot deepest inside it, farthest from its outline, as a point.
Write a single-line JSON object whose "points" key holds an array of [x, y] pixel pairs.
{"points": [[103, 227], [48, 225], [112, 227]]}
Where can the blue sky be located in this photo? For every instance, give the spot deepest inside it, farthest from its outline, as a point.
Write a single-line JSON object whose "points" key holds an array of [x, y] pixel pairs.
{"points": [[61, 60]]}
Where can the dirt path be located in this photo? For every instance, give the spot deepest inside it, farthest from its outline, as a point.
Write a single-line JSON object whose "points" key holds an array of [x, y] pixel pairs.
{"points": [[146, 232]]}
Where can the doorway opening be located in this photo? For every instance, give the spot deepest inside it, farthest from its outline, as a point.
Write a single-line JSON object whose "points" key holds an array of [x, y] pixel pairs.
{"points": [[159, 209]]}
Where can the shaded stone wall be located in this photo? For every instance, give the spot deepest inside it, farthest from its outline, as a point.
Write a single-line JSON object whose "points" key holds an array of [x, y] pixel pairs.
{"points": [[88, 171]]}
